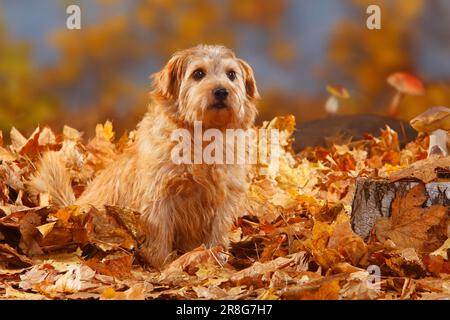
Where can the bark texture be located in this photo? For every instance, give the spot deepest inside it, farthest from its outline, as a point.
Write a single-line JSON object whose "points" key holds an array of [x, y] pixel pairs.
{"points": [[373, 199]]}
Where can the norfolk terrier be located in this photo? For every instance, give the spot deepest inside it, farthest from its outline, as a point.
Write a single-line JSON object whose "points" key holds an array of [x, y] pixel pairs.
{"points": [[183, 205]]}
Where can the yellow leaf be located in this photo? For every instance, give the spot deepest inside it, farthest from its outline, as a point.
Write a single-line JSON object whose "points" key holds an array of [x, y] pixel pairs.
{"points": [[108, 293], [268, 295], [134, 293], [105, 131], [45, 229]]}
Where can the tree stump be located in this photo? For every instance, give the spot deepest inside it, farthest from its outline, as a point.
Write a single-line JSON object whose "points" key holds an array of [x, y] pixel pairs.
{"points": [[373, 199]]}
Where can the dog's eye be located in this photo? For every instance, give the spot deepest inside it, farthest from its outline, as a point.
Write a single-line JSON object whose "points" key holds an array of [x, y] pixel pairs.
{"points": [[231, 75], [198, 74]]}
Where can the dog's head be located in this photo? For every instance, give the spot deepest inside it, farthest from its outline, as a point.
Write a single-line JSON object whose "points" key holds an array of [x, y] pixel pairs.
{"points": [[208, 84]]}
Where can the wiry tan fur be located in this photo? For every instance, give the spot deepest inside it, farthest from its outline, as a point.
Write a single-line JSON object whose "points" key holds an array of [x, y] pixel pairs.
{"points": [[182, 206]]}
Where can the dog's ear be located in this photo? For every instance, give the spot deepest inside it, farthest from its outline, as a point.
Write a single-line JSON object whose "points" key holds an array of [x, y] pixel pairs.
{"points": [[166, 83], [249, 79]]}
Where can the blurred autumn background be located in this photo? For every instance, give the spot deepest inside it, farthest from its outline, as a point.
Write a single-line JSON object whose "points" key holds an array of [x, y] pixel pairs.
{"points": [[52, 75]]}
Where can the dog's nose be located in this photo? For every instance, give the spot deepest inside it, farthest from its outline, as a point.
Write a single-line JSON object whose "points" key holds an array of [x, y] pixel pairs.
{"points": [[220, 93]]}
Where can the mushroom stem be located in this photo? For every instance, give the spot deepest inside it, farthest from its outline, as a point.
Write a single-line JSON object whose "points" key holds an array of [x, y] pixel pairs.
{"points": [[332, 105], [439, 138], [395, 103]]}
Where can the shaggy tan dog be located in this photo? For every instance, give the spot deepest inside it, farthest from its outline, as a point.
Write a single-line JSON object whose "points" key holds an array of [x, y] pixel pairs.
{"points": [[182, 205]]}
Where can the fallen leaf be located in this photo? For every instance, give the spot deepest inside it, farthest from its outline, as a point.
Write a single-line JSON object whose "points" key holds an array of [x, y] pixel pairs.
{"points": [[10, 256], [322, 289], [46, 228], [105, 131], [11, 293], [17, 139], [424, 170], [134, 293], [411, 225], [114, 265], [190, 261]]}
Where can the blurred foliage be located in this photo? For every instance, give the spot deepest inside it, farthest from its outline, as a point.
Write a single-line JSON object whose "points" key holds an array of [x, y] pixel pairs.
{"points": [[364, 58], [25, 100], [98, 61], [95, 73]]}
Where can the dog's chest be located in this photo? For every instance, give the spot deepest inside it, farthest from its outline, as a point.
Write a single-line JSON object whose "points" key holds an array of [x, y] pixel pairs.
{"points": [[210, 185]]}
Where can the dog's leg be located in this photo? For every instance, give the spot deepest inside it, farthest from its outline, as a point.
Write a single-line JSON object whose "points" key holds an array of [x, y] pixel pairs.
{"points": [[220, 227], [159, 230]]}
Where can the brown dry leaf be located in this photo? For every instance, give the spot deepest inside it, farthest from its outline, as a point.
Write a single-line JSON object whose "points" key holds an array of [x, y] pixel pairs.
{"points": [[106, 233], [11, 293], [259, 273], [437, 264], [30, 234], [406, 263], [424, 170], [40, 140], [129, 219], [411, 225], [8, 255], [192, 260], [115, 265], [317, 246], [346, 242], [327, 288]]}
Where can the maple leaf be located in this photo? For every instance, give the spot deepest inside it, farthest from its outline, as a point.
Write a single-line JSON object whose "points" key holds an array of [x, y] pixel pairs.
{"points": [[411, 225]]}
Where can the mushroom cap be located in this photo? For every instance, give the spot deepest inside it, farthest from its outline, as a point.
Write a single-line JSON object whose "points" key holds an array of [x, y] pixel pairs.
{"points": [[338, 91], [433, 119], [406, 83]]}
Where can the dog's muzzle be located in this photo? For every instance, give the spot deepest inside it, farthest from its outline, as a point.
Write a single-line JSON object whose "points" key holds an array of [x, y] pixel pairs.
{"points": [[220, 94]]}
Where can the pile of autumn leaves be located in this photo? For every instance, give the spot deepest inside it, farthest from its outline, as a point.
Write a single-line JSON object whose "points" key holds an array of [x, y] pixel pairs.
{"points": [[295, 241]]}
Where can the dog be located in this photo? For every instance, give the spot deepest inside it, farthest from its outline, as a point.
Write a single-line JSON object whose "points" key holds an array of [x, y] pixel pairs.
{"points": [[182, 206]]}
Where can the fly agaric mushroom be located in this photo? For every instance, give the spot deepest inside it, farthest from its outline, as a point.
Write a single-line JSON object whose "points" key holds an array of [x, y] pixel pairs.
{"points": [[336, 92], [404, 84], [436, 122]]}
